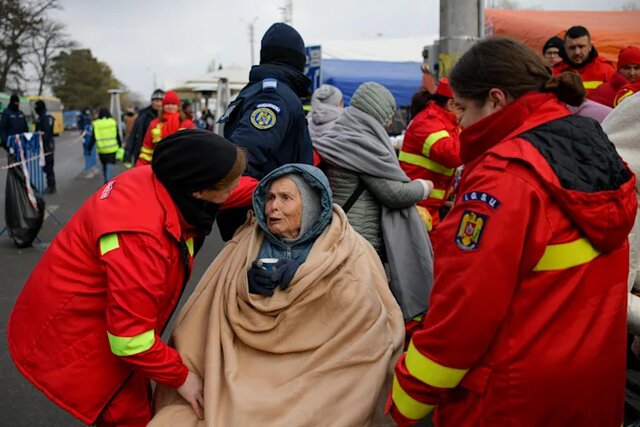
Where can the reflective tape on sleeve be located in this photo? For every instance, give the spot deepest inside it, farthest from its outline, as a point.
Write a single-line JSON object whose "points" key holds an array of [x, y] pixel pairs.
{"points": [[432, 139], [189, 244], [566, 255], [407, 405], [418, 160], [593, 84], [108, 242], [430, 372], [128, 346]]}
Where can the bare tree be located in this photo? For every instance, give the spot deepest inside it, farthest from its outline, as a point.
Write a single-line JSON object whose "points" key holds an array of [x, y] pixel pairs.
{"points": [[17, 21], [46, 43]]}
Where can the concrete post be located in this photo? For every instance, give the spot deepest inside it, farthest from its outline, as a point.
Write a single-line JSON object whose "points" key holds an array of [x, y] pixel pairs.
{"points": [[460, 27]]}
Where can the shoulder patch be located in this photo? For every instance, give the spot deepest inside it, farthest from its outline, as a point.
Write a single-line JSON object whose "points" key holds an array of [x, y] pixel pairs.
{"points": [[274, 107], [269, 85], [481, 196], [107, 190], [263, 118], [470, 230]]}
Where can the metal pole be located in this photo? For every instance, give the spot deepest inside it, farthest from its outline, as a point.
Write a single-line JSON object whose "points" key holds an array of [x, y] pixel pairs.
{"points": [[252, 40], [459, 29]]}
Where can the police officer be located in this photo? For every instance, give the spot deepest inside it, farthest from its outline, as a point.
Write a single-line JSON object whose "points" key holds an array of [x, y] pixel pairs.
{"points": [[45, 125], [12, 121], [267, 118]]}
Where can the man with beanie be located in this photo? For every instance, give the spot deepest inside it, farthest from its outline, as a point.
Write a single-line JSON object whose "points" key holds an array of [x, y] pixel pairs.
{"points": [[551, 51], [86, 328], [145, 116], [45, 125], [267, 118], [623, 81], [12, 121], [580, 56], [629, 67]]}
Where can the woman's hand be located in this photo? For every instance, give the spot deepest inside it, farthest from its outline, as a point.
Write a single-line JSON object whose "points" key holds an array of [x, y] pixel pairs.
{"points": [[192, 392]]}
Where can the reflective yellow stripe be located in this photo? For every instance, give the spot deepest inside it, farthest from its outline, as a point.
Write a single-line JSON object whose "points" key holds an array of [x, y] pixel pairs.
{"points": [[592, 84], [618, 100], [127, 346], [432, 139], [566, 255], [417, 160], [437, 194], [189, 243], [407, 405], [146, 157], [108, 242], [146, 150], [430, 372]]}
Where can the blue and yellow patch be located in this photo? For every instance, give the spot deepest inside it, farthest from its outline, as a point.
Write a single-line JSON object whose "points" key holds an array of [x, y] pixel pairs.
{"points": [[481, 196], [470, 230], [263, 118]]}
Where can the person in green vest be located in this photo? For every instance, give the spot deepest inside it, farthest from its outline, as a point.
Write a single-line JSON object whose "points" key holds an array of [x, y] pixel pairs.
{"points": [[107, 141]]}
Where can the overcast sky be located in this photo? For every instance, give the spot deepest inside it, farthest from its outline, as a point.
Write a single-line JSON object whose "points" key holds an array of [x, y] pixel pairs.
{"points": [[177, 39]]}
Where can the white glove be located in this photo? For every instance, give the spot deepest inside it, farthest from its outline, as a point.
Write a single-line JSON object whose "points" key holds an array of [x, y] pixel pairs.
{"points": [[428, 187]]}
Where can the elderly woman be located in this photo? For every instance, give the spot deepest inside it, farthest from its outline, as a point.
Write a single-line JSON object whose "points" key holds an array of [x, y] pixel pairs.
{"points": [[380, 199], [306, 341]]}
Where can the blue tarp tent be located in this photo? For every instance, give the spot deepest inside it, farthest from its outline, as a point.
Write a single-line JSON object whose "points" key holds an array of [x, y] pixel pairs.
{"points": [[403, 79]]}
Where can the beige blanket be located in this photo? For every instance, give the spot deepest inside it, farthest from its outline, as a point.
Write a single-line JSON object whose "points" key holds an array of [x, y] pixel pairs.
{"points": [[320, 353]]}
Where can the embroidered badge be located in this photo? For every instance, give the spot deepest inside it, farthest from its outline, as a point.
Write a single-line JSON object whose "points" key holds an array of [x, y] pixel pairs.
{"points": [[263, 118], [274, 107], [470, 230], [269, 85], [107, 190], [479, 196]]}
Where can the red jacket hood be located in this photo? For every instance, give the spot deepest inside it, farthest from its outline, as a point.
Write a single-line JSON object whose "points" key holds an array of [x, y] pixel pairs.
{"points": [[606, 212]]}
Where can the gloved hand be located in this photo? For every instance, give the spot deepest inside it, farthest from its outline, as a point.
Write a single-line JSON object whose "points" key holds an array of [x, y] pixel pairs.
{"points": [[264, 282]]}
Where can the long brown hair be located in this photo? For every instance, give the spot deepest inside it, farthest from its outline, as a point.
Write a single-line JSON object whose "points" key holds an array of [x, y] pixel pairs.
{"points": [[506, 64]]}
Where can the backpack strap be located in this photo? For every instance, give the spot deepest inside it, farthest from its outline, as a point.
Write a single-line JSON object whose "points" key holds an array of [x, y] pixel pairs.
{"points": [[354, 197]]}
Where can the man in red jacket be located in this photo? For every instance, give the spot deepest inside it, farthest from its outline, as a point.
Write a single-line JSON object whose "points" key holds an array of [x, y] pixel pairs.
{"points": [[624, 82], [527, 319], [86, 327], [629, 67], [580, 56]]}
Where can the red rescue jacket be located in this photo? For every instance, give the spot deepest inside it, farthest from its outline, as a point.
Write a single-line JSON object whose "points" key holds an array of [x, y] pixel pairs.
{"points": [[431, 150], [153, 136], [92, 294], [606, 93], [626, 91], [527, 318], [595, 73]]}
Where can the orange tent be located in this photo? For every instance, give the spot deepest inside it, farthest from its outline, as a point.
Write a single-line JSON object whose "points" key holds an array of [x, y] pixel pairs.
{"points": [[610, 31]]}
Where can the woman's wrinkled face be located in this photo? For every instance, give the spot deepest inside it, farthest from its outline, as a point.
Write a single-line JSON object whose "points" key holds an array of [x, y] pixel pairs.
{"points": [[284, 209], [472, 110]]}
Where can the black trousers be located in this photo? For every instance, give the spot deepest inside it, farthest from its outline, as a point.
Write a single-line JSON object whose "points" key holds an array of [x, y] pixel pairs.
{"points": [[48, 169]]}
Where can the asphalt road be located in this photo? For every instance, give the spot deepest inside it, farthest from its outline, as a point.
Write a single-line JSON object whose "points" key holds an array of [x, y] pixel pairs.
{"points": [[21, 404]]}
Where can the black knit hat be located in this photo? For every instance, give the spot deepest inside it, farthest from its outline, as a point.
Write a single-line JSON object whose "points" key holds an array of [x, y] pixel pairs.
{"points": [[192, 160], [14, 99], [282, 44], [554, 41]]}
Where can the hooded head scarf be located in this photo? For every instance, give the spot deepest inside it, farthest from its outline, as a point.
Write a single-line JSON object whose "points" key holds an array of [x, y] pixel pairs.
{"points": [[192, 160]]}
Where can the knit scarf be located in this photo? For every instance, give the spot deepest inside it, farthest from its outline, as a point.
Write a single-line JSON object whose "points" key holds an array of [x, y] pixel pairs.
{"points": [[170, 123]]}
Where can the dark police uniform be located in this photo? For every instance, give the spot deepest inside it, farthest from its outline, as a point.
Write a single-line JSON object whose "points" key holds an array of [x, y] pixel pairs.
{"points": [[268, 121], [12, 122], [45, 125]]}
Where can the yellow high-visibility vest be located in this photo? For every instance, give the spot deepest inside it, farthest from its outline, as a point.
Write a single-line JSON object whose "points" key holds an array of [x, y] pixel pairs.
{"points": [[105, 131]]}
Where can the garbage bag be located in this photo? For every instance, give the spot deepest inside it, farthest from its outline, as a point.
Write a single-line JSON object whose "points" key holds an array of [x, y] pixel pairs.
{"points": [[22, 219]]}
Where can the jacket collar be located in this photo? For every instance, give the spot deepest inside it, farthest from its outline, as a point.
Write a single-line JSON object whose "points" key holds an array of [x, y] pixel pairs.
{"points": [[523, 114], [174, 223], [448, 116]]}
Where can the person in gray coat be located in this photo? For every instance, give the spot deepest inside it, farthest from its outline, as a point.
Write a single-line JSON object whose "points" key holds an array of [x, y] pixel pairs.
{"points": [[326, 106], [379, 198]]}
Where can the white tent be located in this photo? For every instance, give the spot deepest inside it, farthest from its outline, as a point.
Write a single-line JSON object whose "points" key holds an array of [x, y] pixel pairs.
{"points": [[377, 49]]}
